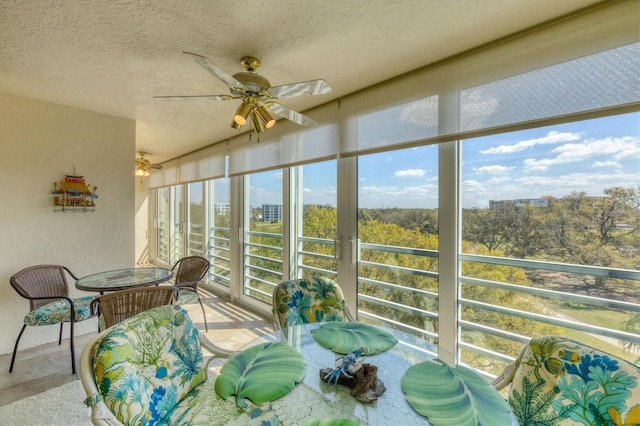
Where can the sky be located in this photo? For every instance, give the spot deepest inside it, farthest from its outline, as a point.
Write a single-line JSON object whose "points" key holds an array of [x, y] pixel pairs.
{"points": [[586, 156], [556, 160]]}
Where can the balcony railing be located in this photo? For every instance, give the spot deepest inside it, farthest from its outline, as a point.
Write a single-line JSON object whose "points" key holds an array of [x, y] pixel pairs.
{"points": [[378, 299]]}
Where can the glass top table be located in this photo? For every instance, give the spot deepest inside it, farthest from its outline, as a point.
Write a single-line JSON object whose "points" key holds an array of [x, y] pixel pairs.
{"points": [[314, 399], [122, 279]]}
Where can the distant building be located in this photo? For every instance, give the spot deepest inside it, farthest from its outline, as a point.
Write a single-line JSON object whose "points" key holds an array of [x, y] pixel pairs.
{"points": [[221, 208], [272, 212], [520, 203]]}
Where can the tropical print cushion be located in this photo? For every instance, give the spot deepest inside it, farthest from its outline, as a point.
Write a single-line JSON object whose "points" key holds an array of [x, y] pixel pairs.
{"points": [[186, 295], [144, 365], [59, 311], [307, 300], [204, 407], [563, 382]]}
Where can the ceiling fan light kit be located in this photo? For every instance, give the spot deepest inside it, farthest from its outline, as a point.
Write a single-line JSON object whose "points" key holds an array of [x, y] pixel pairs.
{"points": [[142, 172], [263, 114], [143, 165], [242, 113], [258, 97], [257, 124]]}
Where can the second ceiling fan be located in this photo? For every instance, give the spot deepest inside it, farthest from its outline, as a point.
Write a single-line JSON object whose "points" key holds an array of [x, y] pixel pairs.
{"points": [[258, 97]]}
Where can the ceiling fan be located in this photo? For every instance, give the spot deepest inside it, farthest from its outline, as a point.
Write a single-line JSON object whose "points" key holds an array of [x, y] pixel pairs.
{"points": [[143, 165], [258, 97]]}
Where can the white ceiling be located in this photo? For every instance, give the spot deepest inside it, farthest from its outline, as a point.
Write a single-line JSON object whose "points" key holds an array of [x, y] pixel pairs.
{"points": [[113, 56]]}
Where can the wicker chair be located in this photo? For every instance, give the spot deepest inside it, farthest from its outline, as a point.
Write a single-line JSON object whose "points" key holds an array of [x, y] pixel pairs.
{"points": [[45, 286], [191, 270], [150, 369], [120, 305], [306, 300]]}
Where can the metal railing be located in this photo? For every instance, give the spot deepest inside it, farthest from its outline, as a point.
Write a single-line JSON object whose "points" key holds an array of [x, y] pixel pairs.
{"points": [[262, 273], [376, 304]]}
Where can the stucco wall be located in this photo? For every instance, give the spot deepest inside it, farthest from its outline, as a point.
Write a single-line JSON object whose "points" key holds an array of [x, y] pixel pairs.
{"points": [[40, 143]]}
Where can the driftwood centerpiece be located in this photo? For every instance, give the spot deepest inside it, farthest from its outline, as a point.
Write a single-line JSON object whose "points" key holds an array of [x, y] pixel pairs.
{"points": [[364, 383]]}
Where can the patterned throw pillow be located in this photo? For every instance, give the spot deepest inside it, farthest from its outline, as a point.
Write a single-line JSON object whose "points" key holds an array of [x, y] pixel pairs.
{"points": [[146, 364], [559, 381], [308, 300]]}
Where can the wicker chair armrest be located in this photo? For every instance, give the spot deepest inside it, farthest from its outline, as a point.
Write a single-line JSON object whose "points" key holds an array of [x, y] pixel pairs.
{"points": [[348, 316], [505, 378], [70, 273], [100, 413], [68, 299], [101, 416], [215, 350], [277, 328]]}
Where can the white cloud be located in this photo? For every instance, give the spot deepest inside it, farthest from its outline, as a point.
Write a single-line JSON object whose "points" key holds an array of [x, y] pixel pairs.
{"points": [[471, 184], [573, 152], [550, 138], [393, 196], [410, 173], [533, 165], [606, 164], [499, 179], [591, 183], [491, 170]]}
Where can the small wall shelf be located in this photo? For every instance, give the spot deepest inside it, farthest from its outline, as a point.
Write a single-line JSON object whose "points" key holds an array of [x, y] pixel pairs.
{"points": [[73, 194]]}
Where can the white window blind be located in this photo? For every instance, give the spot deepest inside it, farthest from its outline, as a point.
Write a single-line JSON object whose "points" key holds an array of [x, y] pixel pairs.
{"points": [[207, 163], [589, 62], [287, 144], [167, 176]]}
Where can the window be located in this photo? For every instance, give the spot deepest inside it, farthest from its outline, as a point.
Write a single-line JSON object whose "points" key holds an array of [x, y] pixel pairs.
{"points": [[398, 239], [219, 213], [196, 235], [550, 221], [316, 215], [263, 240]]}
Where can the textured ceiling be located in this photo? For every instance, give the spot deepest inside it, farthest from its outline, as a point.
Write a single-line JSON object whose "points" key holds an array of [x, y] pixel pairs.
{"points": [[113, 56]]}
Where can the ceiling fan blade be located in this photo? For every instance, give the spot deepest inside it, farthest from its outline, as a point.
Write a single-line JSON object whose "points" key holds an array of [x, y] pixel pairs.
{"points": [[199, 97], [290, 114], [312, 87], [216, 70], [156, 166]]}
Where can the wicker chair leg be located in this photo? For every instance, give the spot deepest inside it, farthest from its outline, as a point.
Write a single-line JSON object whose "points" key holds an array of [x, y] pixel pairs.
{"points": [[204, 316], [60, 337], [73, 353], [15, 348]]}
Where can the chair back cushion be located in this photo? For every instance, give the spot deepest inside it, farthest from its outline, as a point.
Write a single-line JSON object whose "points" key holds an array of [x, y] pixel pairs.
{"points": [[559, 381], [307, 300], [146, 364]]}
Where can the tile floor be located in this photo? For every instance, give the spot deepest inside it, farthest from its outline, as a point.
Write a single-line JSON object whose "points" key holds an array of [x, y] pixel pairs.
{"points": [[230, 327]]}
